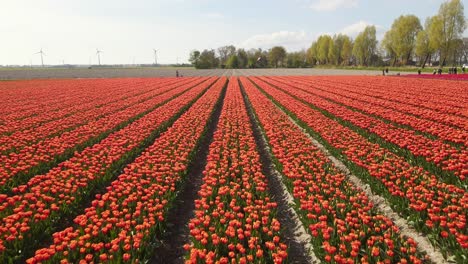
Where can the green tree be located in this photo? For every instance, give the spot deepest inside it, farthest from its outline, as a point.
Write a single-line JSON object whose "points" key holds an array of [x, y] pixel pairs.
{"points": [[423, 47], [232, 62], [207, 60], [312, 52], [296, 59], [453, 24], [365, 46], [194, 57], [428, 40], [257, 58], [332, 56], [243, 58], [346, 50], [340, 50], [324, 44], [277, 55], [404, 31], [388, 44], [225, 52]]}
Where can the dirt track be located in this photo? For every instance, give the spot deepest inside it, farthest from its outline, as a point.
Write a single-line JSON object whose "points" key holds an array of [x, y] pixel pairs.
{"points": [[11, 74]]}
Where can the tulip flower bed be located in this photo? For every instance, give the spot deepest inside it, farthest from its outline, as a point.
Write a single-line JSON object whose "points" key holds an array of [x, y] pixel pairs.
{"points": [[446, 156], [339, 216], [402, 106], [52, 123], [80, 99], [245, 170], [358, 99], [433, 207], [119, 225], [39, 204], [450, 133], [433, 95], [22, 145], [234, 218], [453, 77], [33, 159]]}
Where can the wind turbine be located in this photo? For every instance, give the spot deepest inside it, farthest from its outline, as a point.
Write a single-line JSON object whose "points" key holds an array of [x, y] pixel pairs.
{"points": [[42, 56], [98, 53], [155, 56]]}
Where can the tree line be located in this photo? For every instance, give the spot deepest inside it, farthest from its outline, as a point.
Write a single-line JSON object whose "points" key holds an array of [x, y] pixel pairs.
{"points": [[438, 42]]}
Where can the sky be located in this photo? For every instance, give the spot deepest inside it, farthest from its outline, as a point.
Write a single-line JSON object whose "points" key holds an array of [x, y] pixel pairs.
{"points": [[127, 31]]}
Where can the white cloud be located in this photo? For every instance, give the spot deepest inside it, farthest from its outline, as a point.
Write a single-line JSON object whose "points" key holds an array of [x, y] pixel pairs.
{"points": [[354, 29], [291, 40], [331, 5]]}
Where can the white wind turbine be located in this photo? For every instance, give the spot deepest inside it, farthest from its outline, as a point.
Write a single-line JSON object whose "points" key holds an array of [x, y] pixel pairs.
{"points": [[42, 56], [98, 53], [155, 56]]}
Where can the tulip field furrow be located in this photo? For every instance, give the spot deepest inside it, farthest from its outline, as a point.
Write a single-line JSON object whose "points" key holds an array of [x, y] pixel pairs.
{"points": [[22, 138], [445, 156], [399, 90], [76, 110], [339, 216], [91, 100], [234, 217], [368, 103], [34, 156], [37, 205], [445, 132], [121, 223], [433, 207]]}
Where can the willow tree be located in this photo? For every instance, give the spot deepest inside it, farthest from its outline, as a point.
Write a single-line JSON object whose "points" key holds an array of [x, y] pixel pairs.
{"points": [[452, 25], [365, 45]]}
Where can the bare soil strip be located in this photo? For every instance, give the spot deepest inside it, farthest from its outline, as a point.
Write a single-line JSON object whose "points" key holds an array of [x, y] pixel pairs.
{"points": [[103, 72], [424, 245], [170, 247], [294, 232]]}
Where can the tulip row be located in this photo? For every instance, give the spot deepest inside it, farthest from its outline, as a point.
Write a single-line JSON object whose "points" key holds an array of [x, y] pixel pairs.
{"points": [[423, 89], [445, 156], [15, 168], [45, 199], [435, 208], [21, 97], [120, 224], [234, 217], [71, 119], [367, 102], [445, 132], [340, 217], [90, 99], [454, 77], [428, 94], [35, 98]]}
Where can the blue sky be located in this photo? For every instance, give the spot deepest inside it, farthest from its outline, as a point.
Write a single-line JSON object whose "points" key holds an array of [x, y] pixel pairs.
{"points": [[127, 31]]}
